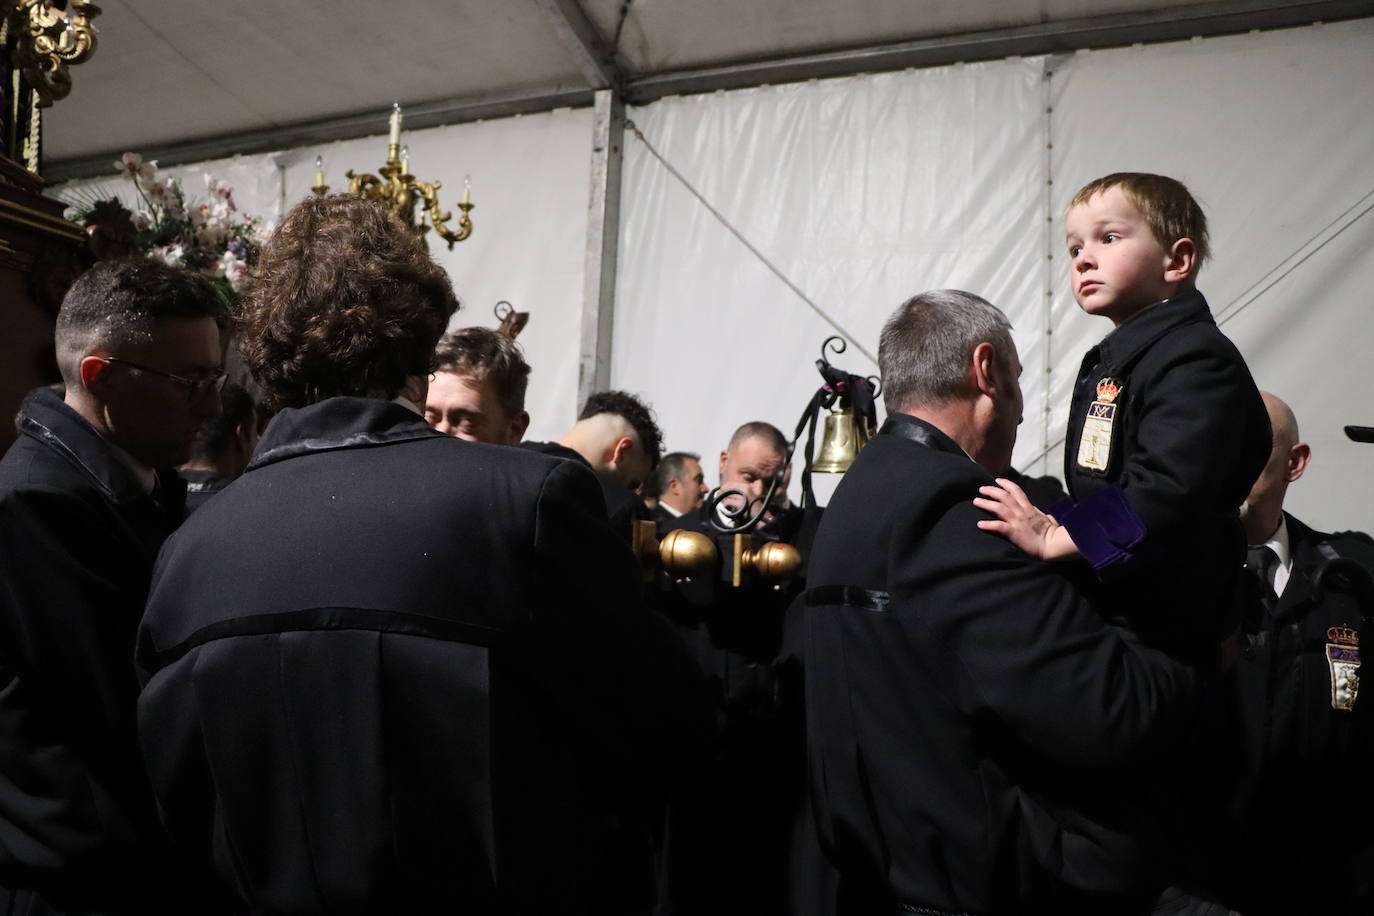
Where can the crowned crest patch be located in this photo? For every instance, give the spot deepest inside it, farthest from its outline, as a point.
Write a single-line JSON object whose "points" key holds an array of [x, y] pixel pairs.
{"points": [[1343, 658], [1095, 442]]}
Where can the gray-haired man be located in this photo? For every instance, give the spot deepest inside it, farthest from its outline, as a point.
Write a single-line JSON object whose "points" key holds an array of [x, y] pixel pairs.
{"points": [[971, 721]]}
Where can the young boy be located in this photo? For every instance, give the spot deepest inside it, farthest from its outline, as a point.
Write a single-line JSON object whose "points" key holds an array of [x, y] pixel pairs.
{"points": [[1167, 431]]}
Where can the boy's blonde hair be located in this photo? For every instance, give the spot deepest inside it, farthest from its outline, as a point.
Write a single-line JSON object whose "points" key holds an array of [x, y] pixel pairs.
{"points": [[1169, 210]]}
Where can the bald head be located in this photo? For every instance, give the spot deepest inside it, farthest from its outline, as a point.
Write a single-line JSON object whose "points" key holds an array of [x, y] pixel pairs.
{"points": [[1281, 419], [1288, 458]]}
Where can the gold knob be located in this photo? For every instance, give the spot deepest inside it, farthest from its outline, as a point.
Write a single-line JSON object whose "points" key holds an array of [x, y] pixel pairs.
{"points": [[686, 553], [774, 560]]}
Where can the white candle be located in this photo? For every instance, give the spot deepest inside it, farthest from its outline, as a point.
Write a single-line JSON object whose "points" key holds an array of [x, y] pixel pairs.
{"points": [[395, 123], [405, 160], [319, 171], [467, 189]]}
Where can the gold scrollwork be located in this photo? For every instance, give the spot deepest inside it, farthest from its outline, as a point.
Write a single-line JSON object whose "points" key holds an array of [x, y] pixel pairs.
{"points": [[402, 192], [49, 40]]}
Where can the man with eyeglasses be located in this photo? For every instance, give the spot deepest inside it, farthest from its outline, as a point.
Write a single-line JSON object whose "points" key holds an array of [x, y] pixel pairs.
{"points": [[87, 496]]}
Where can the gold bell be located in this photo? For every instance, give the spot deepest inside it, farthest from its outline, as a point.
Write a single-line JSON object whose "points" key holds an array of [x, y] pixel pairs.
{"points": [[841, 440]]}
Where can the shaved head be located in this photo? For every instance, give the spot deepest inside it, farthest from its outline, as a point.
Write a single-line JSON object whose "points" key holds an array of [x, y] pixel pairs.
{"points": [[1281, 418]]}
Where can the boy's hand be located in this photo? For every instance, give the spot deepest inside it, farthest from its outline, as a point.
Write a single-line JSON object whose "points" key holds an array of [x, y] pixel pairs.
{"points": [[1021, 523]]}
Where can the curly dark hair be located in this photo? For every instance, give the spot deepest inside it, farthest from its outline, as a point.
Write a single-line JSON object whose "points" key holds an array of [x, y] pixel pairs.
{"points": [[345, 300], [634, 412]]}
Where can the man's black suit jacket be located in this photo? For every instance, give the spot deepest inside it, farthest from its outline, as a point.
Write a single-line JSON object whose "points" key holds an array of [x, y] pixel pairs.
{"points": [[393, 671], [970, 720], [1301, 793], [78, 537]]}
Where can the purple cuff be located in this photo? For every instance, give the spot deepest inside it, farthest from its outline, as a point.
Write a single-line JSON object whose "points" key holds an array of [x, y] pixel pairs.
{"points": [[1104, 528], [1060, 509]]}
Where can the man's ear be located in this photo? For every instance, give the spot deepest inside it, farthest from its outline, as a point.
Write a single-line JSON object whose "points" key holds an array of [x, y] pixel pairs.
{"points": [[1178, 266], [1298, 457], [620, 450], [518, 424], [983, 369], [95, 375], [724, 457]]}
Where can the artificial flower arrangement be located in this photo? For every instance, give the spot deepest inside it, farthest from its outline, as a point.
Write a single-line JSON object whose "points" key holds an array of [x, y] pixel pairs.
{"points": [[211, 238]]}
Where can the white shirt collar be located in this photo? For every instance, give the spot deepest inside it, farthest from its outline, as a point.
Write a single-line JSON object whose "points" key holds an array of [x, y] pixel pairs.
{"points": [[669, 509]]}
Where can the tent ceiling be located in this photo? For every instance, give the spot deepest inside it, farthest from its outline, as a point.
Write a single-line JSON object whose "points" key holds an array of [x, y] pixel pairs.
{"points": [[184, 81]]}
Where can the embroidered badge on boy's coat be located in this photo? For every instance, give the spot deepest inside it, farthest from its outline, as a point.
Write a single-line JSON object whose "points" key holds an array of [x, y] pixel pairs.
{"points": [[1095, 444], [1343, 657]]}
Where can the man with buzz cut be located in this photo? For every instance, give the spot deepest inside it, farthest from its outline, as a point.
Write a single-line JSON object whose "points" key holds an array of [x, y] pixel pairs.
{"points": [[616, 436], [87, 496]]}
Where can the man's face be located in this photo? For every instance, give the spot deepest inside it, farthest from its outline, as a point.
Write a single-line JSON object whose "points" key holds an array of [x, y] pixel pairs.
{"points": [[1007, 413], [464, 407], [151, 417], [685, 491], [1116, 265], [750, 468], [634, 467], [1272, 484]]}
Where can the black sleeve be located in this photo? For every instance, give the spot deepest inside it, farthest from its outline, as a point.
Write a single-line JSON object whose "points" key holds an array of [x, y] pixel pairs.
{"points": [[69, 773], [1031, 652], [631, 664]]}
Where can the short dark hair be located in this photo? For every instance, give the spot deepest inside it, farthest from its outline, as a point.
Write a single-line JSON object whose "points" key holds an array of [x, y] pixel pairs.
{"points": [[924, 349], [345, 300], [633, 411], [1165, 203], [670, 468], [117, 303], [486, 355], [758, 429], [217, 432]]}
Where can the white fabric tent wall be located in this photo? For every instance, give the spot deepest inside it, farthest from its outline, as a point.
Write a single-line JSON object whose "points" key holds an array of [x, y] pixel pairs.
{"points": [[529, 183], [867, 189], [862, 191]]}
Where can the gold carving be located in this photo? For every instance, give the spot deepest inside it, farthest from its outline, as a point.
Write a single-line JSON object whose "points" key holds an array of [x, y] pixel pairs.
{"points": [[49, 40]]}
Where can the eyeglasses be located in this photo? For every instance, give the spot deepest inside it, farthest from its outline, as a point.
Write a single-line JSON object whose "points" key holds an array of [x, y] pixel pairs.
{"points": [[196, 388]]}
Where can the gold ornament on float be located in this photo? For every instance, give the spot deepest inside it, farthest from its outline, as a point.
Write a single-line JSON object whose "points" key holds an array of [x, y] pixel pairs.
{"points": [[50, 37]]}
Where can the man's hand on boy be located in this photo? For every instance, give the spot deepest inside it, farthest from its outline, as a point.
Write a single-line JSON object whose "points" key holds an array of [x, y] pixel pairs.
{"points": [[1021, 523]]}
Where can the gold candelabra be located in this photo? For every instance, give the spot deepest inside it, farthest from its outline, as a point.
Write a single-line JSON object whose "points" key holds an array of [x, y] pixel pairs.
{"points": [[402, 192]]}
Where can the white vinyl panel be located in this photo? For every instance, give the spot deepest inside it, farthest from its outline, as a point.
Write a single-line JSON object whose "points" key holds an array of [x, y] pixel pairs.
{"points": [[862, 191], [1272, 133]]}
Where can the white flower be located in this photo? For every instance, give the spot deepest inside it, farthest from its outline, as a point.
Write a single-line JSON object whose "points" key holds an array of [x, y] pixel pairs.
{"points": [[141, 219], [170, 254], [232, 269], [133, 166], [219, 187]]}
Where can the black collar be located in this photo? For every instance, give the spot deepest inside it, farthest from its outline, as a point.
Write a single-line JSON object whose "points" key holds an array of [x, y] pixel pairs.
{"points": [[905, 426], [1123, 344], [337, 423], [46, 418]]}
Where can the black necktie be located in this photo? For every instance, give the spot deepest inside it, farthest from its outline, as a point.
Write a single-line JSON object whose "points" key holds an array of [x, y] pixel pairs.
{"points": [[1263, 562]]}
